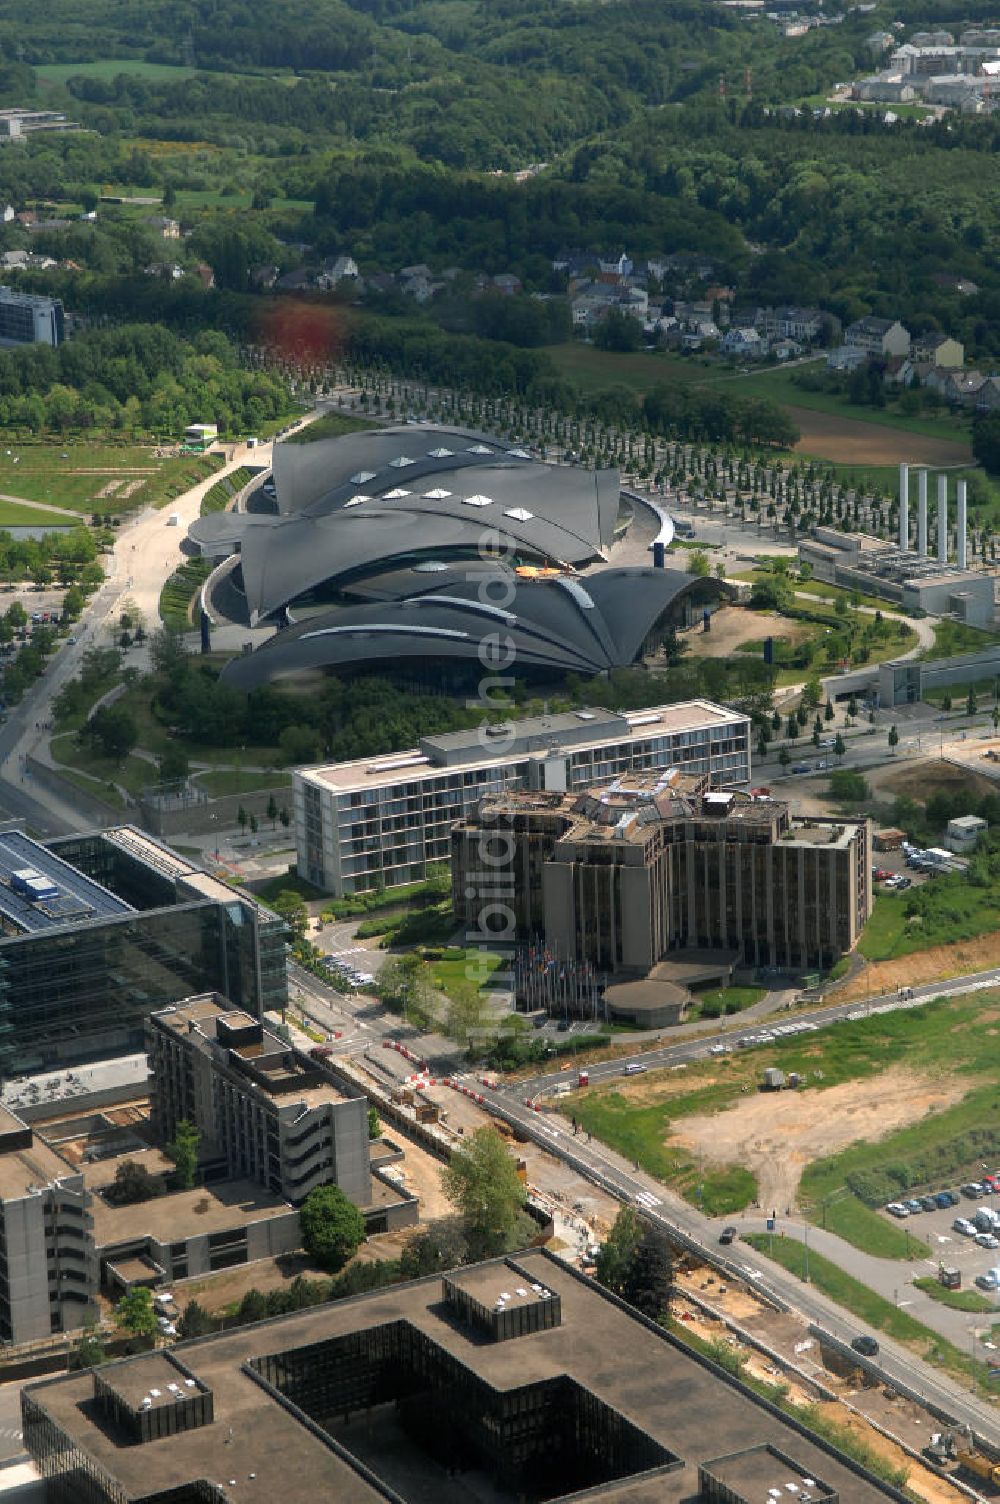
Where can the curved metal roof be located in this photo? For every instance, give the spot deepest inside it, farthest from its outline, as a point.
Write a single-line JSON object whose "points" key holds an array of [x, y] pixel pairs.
{"points": [[559, 625], [363, 500]]}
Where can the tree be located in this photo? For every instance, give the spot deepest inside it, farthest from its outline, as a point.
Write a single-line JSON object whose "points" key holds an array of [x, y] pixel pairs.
{"points": [[272, 811], [113, 730], [135, 1314], [440, 1246], [784, 757], [615, 1258], [971, 703], [792, 729], [195, 1321], [482, 1184], [174, 766], [184, 1153], [332, 1227], [133, 1183], [292, 908], [241, 818], [698, 563], [839, 746], [374, 1123], [893, 740], [650, 1277], [88, 1351], [284, 817], [828, 712], [254, 827], [402, 985], [848, 786]]}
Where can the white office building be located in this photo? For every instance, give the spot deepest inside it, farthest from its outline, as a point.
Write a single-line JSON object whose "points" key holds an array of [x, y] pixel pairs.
{"points": [[385, 820]]}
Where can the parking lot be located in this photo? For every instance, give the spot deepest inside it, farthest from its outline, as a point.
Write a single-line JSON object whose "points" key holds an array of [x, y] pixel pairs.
{"points": [[948, 1246]]}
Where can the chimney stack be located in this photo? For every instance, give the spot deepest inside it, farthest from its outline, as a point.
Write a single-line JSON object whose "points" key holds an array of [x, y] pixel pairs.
{"points": [[922, 513]]}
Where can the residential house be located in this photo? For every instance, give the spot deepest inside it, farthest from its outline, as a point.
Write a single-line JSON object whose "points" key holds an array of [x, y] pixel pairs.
{"points": [[878, 337], [6, 213], [885, 88], [846, 358], [205, 275], [940, 349], [719, 294], [952, 283], [264, 276], [382, 282], [507, 284], [959, 388], [801, 324], [786, 349], [337, 269], [167, 271], [988, 400], [617, 264], [300, 280], [745, 344], [168, 229], [12, 259], [879, 42]]}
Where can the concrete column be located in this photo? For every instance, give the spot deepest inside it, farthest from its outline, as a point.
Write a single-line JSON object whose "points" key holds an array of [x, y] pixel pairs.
{"points": [[942, 519], [904, 506], [961, 527], [922, 513]]}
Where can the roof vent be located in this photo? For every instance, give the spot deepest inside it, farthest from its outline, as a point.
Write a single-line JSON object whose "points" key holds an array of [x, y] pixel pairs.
{"points": [[441, 454], [518, 513], [436, 495], [362, 477], [401, 461], [478, 449], [396, 494], [477, 501]]}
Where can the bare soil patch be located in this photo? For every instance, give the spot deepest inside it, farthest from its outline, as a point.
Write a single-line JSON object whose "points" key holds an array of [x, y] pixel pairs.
{"points": [[852, 441], [775, 1135], [923, 1482], [733, 625], [929, 775], [936, 964]]}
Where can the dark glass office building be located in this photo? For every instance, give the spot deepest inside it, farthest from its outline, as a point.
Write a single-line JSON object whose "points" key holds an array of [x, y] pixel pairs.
{"points": [[98, 930]]}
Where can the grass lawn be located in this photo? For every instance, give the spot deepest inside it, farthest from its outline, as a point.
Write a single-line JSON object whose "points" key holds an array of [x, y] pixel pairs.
{"points": [[109, 68], [592, 369], [958, 1300], [181, 591], [728, 1000], [11, 515], [458, 970], [223, 781], [951, 637], [945, 909], [133, 774], [871, 1308], [76, 482]]}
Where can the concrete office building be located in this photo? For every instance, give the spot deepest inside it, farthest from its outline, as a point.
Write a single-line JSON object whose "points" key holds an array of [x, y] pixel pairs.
{"points": [[386, 820], [28, 319], [266, 1111], [622, 877], [98, 930], [48, 1262], [519, 1372]]}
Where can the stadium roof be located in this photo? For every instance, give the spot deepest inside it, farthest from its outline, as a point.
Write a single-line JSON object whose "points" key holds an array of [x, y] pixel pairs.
{"points": [[560, 625], [349, 507]]}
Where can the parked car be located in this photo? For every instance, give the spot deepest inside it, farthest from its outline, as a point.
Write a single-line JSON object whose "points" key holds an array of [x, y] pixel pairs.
{"points": [[928, 1203], [866, 1346], [987, 1240], [727, 1235], [964, 1226], [915, 1205], [903, 884], [897, 1209], [632, 1068], [801, 767], [988, 1281], [946, 1198], [972, 1189]]}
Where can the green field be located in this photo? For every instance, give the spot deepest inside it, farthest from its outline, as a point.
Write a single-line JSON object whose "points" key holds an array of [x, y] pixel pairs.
{"points": [[957, 1300], [593, 370], [41, 473], [330, 426], [946, 909], [109, 68], [638, 1121], [221, 781], [11, 515]]}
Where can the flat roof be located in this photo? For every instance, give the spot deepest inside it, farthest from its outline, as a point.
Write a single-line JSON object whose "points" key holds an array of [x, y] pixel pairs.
{"points": [[23, 1169], [79, 897], [152, 1376], [435, 757], [182, 1214], [660, 1387], [763, 1472], [137, 843]]}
